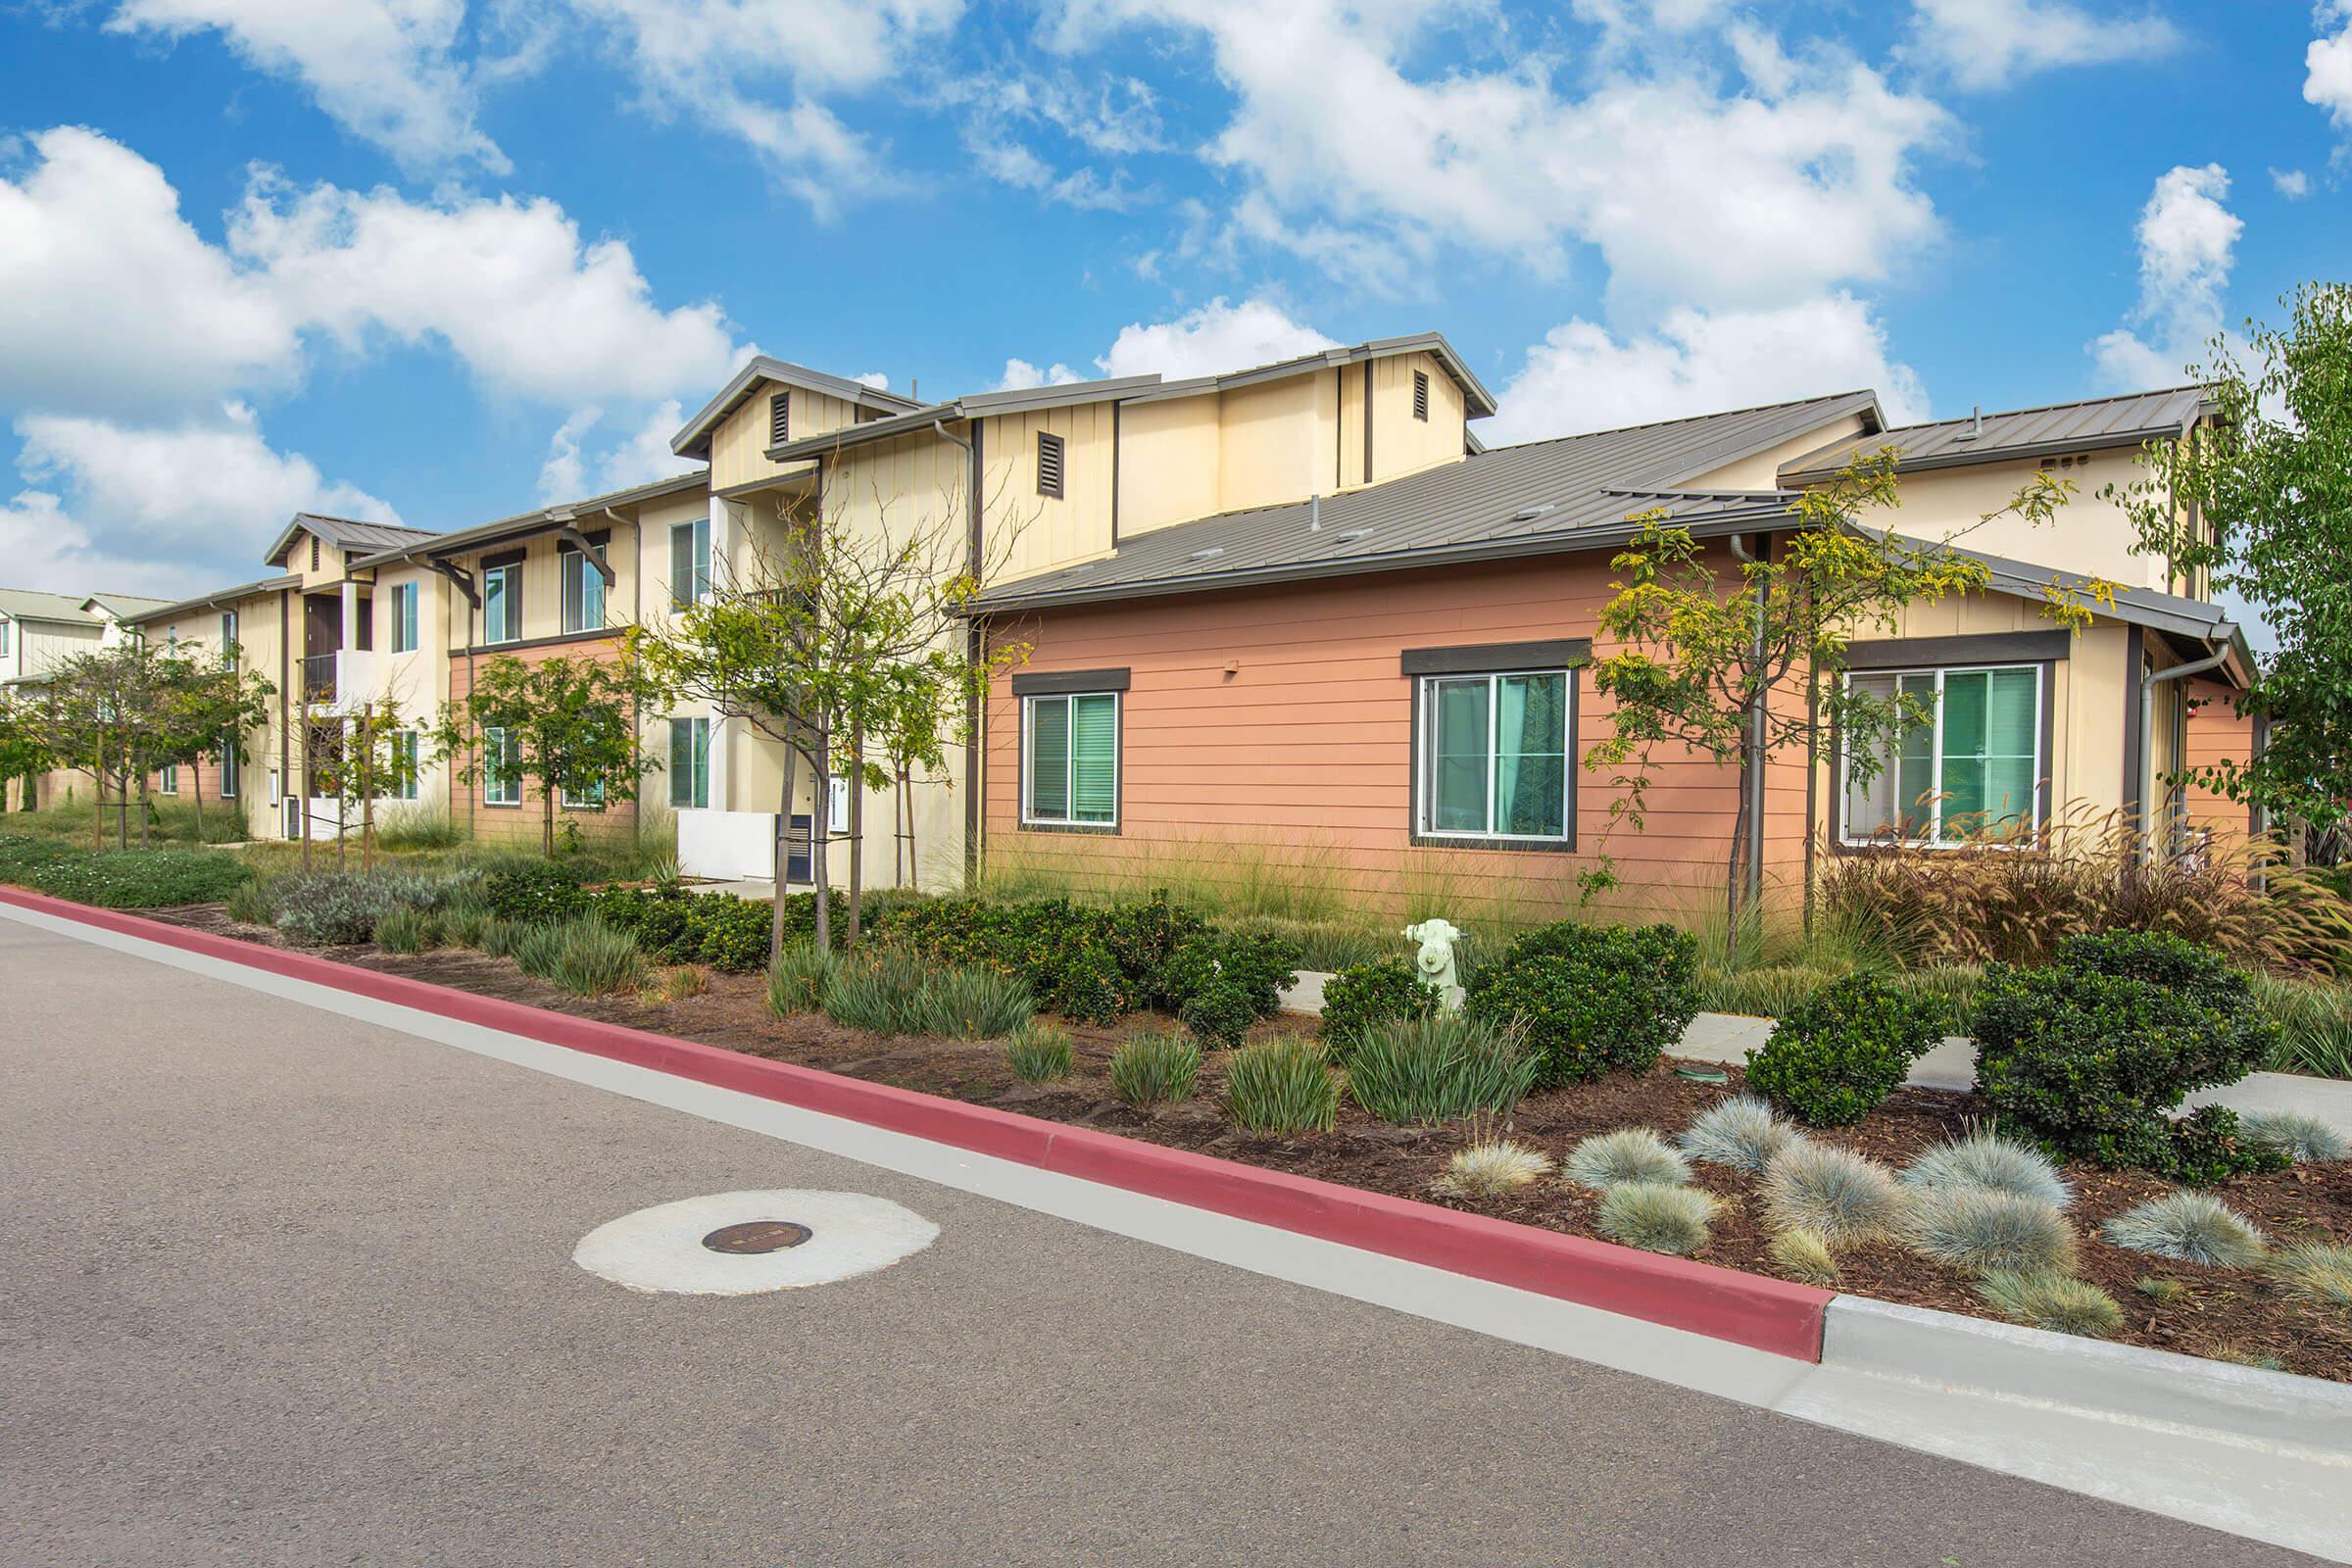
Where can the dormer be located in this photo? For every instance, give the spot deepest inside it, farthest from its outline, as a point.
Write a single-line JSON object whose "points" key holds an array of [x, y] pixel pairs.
{"points": [[771, 403]]}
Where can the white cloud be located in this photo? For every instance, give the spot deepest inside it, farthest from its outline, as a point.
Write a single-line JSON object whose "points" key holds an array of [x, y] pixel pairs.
{"points": [[110, 300], [2328, 62], [385, 69], [1584, 377], [759, 72], [1983, 44], [2291, 183], [563, 476], [577, 467], [508, 286], [2187, 243], [1020, 375], [45, 548], [186, 503], [873, 378], [1014, 162], [1694, 192], [1215, 338]]}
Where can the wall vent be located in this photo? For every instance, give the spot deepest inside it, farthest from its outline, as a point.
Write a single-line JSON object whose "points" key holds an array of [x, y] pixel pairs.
{"points": [[1049, 467], [779, 419], [1421, 394]]}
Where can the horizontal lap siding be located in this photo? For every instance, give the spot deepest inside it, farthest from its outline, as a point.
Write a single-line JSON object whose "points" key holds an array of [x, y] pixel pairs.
{"points": [[1302, 750], [2216, 734], [524, 822]]}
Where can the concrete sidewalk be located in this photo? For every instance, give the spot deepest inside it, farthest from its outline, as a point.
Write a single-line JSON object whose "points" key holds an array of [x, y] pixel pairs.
{"points": [[290, 1286]]}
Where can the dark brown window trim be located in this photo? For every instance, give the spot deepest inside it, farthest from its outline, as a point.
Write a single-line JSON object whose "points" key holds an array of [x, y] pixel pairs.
{"points": [[1064, 682], [1563, 845], [539, 642], [1493, 659], [505, 557], [1988, 648], [602, 539]]}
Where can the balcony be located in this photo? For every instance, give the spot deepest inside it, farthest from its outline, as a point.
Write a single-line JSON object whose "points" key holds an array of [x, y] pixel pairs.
{"points": [[338, 682]]}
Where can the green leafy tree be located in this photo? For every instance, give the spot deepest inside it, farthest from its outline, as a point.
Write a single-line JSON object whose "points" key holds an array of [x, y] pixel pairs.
{"points": [[26, 748], [2258, 506], [205, 708], [375, 760], [1739, 661], [571, 724], [105, 713]]}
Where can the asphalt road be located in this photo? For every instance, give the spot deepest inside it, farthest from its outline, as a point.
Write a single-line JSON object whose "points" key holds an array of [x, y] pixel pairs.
{"points": [[277, 1287]]}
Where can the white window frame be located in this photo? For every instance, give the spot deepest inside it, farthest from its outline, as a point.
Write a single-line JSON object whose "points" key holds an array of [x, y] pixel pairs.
{"points": [[1936, 839], [571, 563], [407, 622], [1118, 764], [413, 742], [228, 638], [511, 610], [232, 769], [699, 563], [494, 745], [1425, 775], [571, 802], [167, 779]]}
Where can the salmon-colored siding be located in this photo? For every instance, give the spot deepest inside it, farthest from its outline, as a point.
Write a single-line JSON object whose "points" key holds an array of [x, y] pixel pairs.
{"points": [[1279, 721], [2216, 733], [524, 822]]}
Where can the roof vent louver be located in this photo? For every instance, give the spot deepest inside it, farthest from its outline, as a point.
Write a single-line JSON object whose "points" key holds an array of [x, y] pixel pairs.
{"points": [[1531, 514], [1348, 536], [1210, 553]]}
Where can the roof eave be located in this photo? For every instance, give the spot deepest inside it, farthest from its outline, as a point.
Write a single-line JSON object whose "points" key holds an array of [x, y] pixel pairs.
{"points": [[2018, 453]]}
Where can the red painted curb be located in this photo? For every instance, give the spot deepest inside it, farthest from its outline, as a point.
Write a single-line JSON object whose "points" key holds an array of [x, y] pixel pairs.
{"points": [[1750, 1309]]}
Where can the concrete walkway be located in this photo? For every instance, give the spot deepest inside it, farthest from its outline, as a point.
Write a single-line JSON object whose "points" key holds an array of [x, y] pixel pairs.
{"points": [[292, 1284]]}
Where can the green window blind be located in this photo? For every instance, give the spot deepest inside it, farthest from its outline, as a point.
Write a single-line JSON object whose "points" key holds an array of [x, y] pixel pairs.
{"points": [[1458, 756], [1049, 758], [1531, 756], [690, 761], [1094, 758]]}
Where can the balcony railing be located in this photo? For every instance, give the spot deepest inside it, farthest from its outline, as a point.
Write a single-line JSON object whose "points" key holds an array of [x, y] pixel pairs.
{"points": [[339, 681], [319, 678]]}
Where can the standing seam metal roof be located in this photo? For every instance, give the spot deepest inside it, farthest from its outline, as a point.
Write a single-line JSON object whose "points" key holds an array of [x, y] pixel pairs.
{"points": [[2097, 423]]}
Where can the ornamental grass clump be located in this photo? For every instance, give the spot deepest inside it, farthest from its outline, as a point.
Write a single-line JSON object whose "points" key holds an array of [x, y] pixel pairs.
{"points": [[1990, 1161], [2314, 1271], [1656, 1216], [969, 1004], [2305, 1140], [2193, 1227], [1741, 1133], [403, 929], [1038, 1054], [2052, 1302], [498, 939], [1984, 1231], [880, 990], [796, 981], [1628, 1155], [1438, 1067], [1282, 1086], [1837, 1194], [1155, 1069], [592, 959], [1803, 1256], [1491, 1167]]}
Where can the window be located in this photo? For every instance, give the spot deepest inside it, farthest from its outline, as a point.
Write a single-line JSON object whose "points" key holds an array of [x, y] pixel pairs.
{"points": [[167, 779], [583, 588], [275, 794], [1070, 759], [1972, 769], [690, 761], [404, 618], [588, 799], [1494, 756], [232, 766], [690, 563], [7, 629], [1049, 465], [502, 603], [502, 768], [779, 419], [228, 638], [1421, 394], [407, 762]]}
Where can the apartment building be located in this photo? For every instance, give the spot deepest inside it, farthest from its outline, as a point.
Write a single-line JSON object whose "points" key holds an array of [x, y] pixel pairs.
{"points": [[39, 630]]}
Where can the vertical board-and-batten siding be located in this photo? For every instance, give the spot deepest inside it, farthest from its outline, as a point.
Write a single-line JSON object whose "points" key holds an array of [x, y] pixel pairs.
{"points": [[1304, 750]]}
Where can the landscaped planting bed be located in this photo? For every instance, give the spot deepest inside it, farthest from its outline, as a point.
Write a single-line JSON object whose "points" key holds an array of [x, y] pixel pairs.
{"points": [[1587, 1089]]}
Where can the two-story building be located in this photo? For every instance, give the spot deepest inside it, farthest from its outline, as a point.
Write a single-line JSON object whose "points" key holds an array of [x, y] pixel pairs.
{"points": [[40, 630]]}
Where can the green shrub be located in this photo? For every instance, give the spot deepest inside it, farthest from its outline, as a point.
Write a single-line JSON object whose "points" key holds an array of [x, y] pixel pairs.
{"points": [[1155, 1069], [404, 929], [1741, 1133], [2088, 1052], [533, 892], [592, 959], [1143, 939], [1063, 950], [341, 908], [1981, 1230], [729, 934], [2052, 1302], [1438, 1067], [1282, 1086], [1656, 1216], [1836, 1055], [1386, 992], [1491, 1167], [1218, 1014], [135, 879], [1037, 1053], [1840, 1196], [250, 904], [1591, 999], [2193, 1227], [1328, 946], [2209, 1146], [1628, 1155], [970, 1004], [1988, 1160], [796, 981]]}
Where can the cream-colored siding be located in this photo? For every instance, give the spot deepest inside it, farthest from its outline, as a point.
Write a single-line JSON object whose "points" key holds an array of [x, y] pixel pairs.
{"points": [[1168, 463], [914, 485], [1762, 470], [45, 643], [1046, 531], [739, 445], [2089, 534], [1400, 443], [1276, 441]]}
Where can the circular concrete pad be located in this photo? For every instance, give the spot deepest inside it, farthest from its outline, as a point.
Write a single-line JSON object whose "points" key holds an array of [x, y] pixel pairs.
{"points": [[661, 1248]]}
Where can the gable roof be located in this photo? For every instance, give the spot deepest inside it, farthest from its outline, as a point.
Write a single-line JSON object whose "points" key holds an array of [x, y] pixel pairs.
{"points": [[1571, 493], [694, 440], [33, 604], [215, 600], [1476, 401], [344, 533], [527, 523], [122, 606], [2051, 430]]}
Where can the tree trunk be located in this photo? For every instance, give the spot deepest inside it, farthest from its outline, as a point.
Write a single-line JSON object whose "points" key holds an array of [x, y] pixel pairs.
{"points": [[898, 826], [820, 831], [302, 786], [1734, 873], [856, 827], [1812, 790], [775, 922], [367, 800], [98, 801], [547, 818], [146, 807], [196, 792]]}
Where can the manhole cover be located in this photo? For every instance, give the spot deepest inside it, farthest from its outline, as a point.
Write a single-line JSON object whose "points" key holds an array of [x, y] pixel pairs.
{"points": [[756, 1235]]}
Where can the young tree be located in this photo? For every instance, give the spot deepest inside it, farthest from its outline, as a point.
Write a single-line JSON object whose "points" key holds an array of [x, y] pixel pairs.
{"points": [[26, 751], [2262, 503], [206, 706], [1714, 661], [567, 723], [377, 760], [102, 713]]}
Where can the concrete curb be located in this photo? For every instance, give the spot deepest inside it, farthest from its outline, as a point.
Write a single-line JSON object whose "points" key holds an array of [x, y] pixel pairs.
{"points": [[1747, 1310], [2274, 1411]]}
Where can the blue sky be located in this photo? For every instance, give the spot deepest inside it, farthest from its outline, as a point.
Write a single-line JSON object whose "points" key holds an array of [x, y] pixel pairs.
{"points": [[439, 262]]}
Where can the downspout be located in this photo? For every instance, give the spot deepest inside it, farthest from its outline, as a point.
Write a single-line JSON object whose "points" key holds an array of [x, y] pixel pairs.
{"points": [[1752, 879], [972, 651], [2214, 660], [636, 702]]}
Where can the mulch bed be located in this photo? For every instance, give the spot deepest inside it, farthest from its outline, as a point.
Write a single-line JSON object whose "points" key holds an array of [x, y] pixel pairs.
{"points": [[2234, 1314]]}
